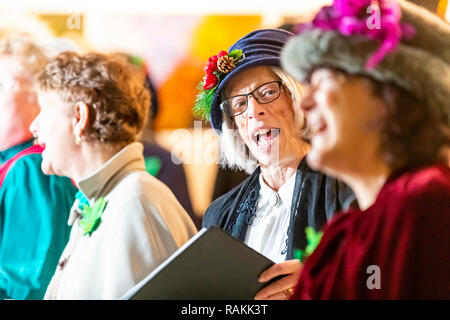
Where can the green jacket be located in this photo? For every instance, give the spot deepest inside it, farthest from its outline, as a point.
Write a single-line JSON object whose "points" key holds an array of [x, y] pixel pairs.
{"points": [[34, 209]]}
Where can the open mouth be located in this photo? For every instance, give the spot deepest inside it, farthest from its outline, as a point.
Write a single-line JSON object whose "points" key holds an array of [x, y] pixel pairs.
{"points": [[317, 125], [320, 130], [263, 137], [36, 142]]}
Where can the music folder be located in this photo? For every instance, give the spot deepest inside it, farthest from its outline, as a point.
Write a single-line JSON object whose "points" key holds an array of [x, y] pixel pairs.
{"points": [[212, 265]]}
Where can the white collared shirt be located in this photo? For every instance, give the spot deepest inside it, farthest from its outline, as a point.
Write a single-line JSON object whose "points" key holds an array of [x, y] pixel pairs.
{"points": [[268, 232]]}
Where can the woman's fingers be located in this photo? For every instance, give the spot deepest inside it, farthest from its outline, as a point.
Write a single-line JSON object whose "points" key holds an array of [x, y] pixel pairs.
{"points": [[282, 268], [282, 288]]}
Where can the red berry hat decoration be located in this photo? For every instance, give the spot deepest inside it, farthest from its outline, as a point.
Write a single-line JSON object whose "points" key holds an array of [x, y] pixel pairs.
{"points": [[258, 48], [216, 68]]}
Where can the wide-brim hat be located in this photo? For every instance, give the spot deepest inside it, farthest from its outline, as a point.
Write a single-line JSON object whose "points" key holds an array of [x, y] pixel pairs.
{"points": [[420, 65]]}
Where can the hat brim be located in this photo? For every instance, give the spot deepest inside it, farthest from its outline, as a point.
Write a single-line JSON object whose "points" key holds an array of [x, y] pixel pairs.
{"points": [[415, 70]]}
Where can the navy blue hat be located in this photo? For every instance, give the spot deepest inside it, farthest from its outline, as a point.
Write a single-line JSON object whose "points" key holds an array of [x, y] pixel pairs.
{"points": [[260, 48]]}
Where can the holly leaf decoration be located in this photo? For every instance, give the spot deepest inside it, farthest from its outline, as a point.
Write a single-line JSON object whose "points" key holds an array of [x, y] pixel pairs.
{"points": [[204, 98], [235, 54], [91, 216], [312, 239]]}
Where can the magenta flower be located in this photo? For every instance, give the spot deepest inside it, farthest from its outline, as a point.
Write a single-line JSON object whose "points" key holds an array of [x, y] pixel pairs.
{"points": [[377, 20]]}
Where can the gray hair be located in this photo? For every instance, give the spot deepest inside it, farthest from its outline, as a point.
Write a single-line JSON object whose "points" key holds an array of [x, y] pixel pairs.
{"points": [[30, 55], [234, 153]]}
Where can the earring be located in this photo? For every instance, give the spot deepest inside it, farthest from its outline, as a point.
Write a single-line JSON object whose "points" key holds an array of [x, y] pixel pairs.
{"points": [[77, 140]]}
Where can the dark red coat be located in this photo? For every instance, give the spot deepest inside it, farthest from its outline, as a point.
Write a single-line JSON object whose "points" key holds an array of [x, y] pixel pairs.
{"points": [[406, 233]]}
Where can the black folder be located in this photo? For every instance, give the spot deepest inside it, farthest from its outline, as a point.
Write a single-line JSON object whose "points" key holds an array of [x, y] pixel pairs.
{"points": [[211, 265]]}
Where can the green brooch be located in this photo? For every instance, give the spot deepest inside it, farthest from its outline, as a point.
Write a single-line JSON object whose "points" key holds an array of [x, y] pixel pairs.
{"points": [[216, 68], [312, 239], [90, 216]]}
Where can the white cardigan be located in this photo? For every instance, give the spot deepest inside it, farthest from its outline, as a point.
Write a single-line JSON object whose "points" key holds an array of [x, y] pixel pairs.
{"points": [[142, 225]]}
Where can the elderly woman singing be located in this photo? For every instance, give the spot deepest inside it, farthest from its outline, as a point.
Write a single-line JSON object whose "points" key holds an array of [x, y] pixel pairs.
{"points": [[253, 106]]}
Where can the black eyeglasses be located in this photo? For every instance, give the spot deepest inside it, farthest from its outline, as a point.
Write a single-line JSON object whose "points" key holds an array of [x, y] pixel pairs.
{"points": [[265, 93]]}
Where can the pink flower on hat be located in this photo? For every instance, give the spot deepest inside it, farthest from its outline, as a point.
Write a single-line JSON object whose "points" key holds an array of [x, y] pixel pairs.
{"points": [[377, 20]]}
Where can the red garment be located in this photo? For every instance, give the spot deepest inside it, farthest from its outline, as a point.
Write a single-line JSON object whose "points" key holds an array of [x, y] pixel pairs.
{"points": [[406, 233], [4, 168]]}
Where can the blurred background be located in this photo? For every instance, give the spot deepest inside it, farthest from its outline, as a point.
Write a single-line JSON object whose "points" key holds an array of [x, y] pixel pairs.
{"points": [[174, 39]]}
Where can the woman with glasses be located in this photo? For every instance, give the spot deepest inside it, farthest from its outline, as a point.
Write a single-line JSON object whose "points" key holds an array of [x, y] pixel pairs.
{"points": [[252, 105]]}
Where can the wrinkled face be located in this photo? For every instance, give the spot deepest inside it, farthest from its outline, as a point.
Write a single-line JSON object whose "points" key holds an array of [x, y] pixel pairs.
{"points": [[53, 128], [270, 130], [341, 111]]}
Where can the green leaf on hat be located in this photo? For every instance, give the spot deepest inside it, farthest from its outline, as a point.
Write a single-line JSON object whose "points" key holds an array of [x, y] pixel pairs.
{"points": [[235, 54], [203, 102]]}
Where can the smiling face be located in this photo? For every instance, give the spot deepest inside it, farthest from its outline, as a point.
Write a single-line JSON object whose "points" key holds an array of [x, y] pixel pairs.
{"points": [[270, 131], [54, 130], [341, 111]]}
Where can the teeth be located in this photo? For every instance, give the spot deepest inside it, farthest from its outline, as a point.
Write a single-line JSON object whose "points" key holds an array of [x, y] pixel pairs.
{"points": [[262, 131]]}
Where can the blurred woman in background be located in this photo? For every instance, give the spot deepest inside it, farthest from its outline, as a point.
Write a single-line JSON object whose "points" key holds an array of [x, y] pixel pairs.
{"points": [[381, 122], [34, 207]]}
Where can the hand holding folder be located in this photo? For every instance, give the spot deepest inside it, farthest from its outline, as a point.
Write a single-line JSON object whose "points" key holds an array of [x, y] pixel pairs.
{"points": [[210, 266]]}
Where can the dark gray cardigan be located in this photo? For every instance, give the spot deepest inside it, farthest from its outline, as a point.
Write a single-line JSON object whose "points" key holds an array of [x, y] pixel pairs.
{"points": [[317, 198]]}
